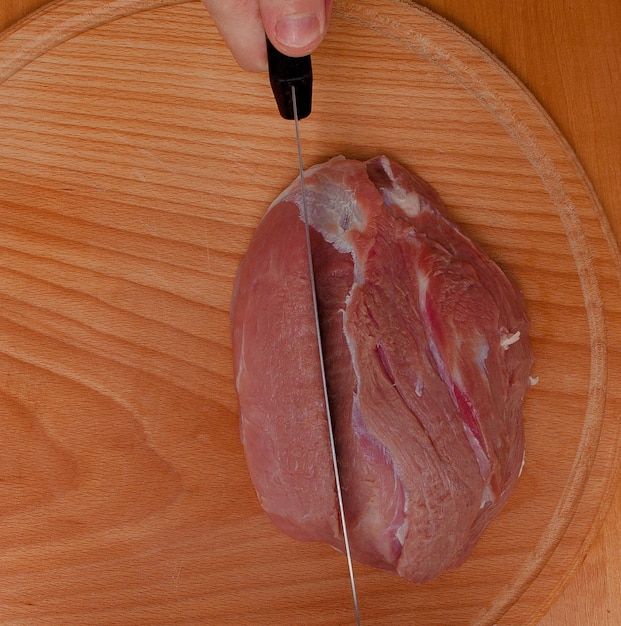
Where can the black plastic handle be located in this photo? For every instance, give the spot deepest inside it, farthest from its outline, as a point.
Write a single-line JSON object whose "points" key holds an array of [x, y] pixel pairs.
{"points": [[286, 72]]}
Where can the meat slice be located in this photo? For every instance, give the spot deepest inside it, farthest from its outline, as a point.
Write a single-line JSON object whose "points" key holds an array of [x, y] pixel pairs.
{"points": [[427, 359]]}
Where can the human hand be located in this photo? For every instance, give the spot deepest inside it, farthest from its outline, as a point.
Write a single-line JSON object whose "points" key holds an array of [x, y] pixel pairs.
{"points": [[295, 27]]}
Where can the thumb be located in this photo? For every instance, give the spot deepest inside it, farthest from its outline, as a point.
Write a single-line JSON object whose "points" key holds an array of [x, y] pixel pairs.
{"points": [[295, 27]]}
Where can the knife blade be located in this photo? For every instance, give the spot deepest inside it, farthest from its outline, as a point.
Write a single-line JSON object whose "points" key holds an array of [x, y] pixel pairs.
{"points": [[291, 81]]}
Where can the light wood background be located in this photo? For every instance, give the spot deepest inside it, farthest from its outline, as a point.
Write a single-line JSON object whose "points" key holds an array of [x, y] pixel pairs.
{"points": [[569, 55]]}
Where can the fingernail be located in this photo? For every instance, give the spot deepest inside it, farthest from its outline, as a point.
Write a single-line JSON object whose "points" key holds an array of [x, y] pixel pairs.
{"points": [[298, 31]]}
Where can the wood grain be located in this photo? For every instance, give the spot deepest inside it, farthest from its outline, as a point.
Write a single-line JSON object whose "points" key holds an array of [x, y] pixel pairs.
{"points": [[130, 190], [13, 10]]}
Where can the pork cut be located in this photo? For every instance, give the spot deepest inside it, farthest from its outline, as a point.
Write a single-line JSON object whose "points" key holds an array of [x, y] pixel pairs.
{"points": [[427, 360]]}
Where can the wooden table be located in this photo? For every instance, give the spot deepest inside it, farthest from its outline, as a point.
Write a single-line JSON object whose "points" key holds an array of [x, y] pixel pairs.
{"points": [[569, 55]]}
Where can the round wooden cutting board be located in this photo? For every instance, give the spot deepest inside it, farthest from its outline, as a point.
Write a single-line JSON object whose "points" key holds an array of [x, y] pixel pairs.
{"points": [[136, 160]]}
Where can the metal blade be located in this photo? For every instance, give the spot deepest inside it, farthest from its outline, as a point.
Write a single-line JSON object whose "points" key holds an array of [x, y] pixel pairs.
{"points": [[321, 359]]}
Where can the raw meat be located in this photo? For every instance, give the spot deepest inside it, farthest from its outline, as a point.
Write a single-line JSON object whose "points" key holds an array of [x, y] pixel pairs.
{"points": [[427, 358]]}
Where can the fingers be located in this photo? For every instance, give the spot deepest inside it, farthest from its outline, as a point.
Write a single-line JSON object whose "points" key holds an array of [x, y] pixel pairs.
{"points": [[240, 25], [295, 27]]}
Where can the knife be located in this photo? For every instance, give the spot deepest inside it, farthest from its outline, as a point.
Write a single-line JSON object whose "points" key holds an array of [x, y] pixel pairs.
{"points": [[291, 79]]}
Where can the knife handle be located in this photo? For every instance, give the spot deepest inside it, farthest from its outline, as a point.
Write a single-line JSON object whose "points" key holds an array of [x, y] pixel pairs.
{"points": [[286, 72]]}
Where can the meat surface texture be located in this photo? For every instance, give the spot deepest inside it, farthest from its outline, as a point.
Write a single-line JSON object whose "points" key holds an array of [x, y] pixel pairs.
{"points": [[427, 360]]}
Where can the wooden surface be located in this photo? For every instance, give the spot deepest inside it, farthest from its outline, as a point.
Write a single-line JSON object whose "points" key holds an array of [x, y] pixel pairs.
{"points": [[115, 286]]}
